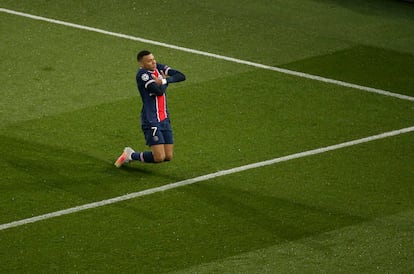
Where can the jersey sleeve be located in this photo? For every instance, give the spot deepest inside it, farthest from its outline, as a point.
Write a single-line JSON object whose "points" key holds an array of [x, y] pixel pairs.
{"points": [[145, 80], [173, 74]]}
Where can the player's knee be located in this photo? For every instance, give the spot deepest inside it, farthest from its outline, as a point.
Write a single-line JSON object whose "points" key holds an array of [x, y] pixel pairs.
{"points": [[159, 157], [168, 158], [162, 156]]}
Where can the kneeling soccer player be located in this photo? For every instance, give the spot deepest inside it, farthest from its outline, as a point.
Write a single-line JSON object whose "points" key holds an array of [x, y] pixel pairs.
{"points": [[152, 80]]}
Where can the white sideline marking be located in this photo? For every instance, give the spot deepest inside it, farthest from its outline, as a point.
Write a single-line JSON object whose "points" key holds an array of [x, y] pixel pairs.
{"points": [[202, 178], [217, 56]]}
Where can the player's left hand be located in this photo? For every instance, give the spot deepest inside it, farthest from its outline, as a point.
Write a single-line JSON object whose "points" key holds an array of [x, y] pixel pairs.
{"points": [[159, 80]]}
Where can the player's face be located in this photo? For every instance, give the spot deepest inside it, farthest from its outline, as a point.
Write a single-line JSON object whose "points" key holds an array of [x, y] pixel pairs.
{"points": [[148, 62]]}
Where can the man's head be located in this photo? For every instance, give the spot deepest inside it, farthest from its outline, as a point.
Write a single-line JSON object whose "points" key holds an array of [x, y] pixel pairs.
{"points": [[146, 60]]}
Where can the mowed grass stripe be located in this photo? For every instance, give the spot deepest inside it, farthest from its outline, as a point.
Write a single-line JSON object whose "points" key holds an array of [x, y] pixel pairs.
{"points": [[324, 252], [204, 178], [213, 55]]}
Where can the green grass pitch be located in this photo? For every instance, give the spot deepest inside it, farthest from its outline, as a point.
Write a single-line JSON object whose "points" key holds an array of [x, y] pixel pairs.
{"points": [[69, 105]]}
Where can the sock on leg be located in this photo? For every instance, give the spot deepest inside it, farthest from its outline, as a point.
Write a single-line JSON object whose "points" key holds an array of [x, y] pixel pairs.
{"points": [[145, 157]]}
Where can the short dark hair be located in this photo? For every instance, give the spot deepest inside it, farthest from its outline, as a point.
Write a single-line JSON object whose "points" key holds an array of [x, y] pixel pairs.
{"points": [[141, 54]]}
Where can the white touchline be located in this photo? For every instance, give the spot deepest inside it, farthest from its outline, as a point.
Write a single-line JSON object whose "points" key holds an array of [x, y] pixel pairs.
{"points": [[203, 178], [217, 56]]}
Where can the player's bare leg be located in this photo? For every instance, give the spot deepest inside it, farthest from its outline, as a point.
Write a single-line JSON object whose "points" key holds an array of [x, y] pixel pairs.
{"points": [[158, 152], [169, 152], [162, 152]]}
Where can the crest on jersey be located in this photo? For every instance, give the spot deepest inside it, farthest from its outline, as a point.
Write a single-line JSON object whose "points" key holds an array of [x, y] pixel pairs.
{"points": [[144, 77]]}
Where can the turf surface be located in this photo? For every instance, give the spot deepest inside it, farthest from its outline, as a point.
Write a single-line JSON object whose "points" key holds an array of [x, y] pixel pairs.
{"points": [[69, 105]]}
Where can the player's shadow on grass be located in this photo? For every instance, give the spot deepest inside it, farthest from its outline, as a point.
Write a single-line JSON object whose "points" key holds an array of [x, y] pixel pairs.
{"points": [[76, 172], [64, 168], [143, 170]]}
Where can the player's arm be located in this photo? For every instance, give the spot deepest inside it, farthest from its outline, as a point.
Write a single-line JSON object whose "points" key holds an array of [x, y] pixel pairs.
{"points": [[174, 76], [170, 75], [154, 88], [158, 86], [150, 84]]}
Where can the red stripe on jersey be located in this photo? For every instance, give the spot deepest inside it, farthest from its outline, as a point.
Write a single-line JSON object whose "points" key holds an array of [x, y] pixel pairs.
{"points": [[155, 73], [161, 107], [161, 104]]}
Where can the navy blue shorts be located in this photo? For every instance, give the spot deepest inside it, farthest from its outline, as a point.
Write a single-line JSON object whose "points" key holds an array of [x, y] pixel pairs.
{"points": [[158, 134]]}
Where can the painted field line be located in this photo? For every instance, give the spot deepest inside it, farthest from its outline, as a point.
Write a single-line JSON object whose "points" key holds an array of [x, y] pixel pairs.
{"points": [[203, 178], [213, 55]]}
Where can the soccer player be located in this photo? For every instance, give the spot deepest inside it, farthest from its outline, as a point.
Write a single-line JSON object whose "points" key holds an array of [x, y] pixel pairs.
{"points": [[152, 81]]}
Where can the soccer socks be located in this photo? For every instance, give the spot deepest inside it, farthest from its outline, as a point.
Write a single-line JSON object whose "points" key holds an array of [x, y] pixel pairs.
{"points": [[145, 157]]}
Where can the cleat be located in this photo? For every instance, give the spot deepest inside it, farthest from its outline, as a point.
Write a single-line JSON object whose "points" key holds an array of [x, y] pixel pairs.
{"points": [[125, 157]]}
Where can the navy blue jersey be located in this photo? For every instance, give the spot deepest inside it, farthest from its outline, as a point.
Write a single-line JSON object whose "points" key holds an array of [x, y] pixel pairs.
{"points": [[154, 99], [154, 107]]}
